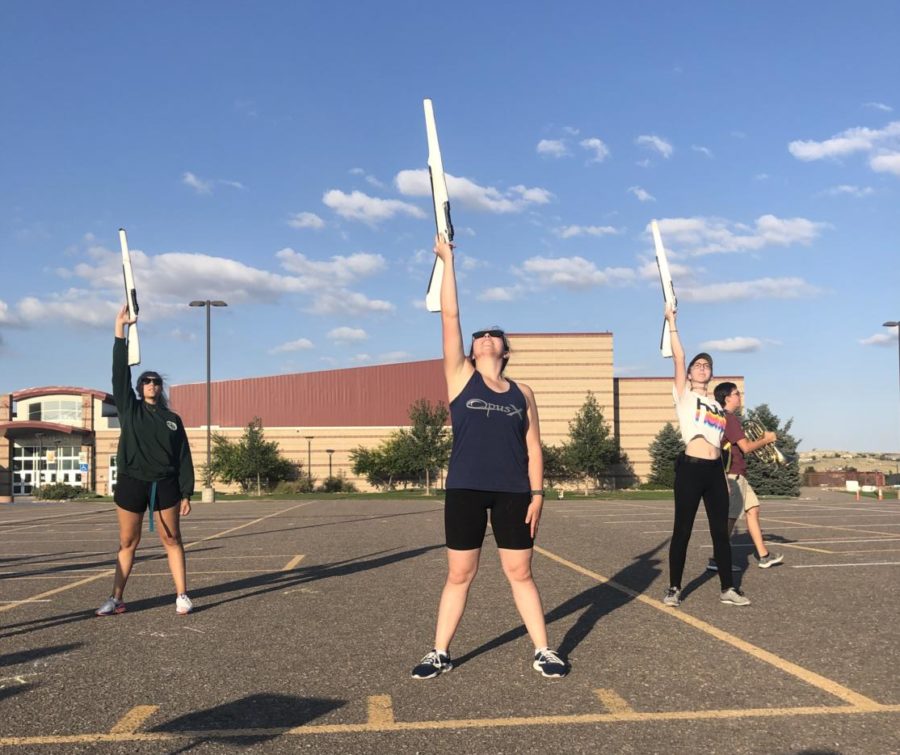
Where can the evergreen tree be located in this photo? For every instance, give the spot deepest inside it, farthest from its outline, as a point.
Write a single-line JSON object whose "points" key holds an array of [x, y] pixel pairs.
{"points": [[250, 462], [591, 451], [663, 451], [773, 479]]}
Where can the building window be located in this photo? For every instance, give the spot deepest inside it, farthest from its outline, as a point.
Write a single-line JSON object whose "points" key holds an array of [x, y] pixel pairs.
{"points": [[59, 410]]}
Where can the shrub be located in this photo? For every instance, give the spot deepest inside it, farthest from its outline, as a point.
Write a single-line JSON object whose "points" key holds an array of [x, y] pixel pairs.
{"points": [[61, 491], [337, 484]]}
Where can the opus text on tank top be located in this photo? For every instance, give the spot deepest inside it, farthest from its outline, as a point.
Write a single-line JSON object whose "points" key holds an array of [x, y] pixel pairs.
{"points": [[489, 451], [699, 415]]}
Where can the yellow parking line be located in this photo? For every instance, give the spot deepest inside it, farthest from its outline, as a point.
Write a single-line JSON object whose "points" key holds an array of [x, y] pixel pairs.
{"points": [[810, 677], [612, 701], [292, 563], [830, 527], [470, 723], [134, 719], [381, 710], [803, 548], [110, 572]]}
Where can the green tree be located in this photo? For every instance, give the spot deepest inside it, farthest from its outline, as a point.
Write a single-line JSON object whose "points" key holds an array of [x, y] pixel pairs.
{"points": [[663, 451], [555, 470], [251, 461], [591, 451], [429, 438], [772, 479]]}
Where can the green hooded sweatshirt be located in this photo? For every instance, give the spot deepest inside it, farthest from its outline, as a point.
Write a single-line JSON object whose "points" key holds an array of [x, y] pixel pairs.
{"points": [[152, 444]]}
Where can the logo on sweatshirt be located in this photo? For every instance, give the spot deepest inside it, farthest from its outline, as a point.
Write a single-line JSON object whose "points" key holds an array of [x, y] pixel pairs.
{"points": [[171, 425]]}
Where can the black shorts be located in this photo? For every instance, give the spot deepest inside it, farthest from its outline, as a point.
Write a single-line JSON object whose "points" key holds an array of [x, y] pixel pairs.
{"points": [[466, 516], [134, 495]]}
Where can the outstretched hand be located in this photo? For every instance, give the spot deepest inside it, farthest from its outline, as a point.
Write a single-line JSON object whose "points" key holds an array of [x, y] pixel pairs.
{"points": [[124, 318]]}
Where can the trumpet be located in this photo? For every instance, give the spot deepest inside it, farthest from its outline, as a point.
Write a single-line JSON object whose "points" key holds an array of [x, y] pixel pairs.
{"points": [[768, 453]]}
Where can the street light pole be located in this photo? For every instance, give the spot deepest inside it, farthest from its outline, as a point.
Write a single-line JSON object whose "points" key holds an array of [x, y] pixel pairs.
{"points": [[209, 495], [40, 438], [895, 324], [309, 440], [330, 452]]}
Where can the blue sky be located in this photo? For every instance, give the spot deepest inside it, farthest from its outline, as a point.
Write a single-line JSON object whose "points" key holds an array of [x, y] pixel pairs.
{"points": [[272, 155]]}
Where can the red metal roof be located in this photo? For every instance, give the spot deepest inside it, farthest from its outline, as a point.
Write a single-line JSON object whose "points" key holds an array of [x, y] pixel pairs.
{"points": [[60, 389], [357, 397], [28, 427]]}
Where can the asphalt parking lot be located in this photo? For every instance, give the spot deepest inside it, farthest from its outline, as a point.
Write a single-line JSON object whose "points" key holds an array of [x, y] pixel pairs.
{"points": [[310, 615]]}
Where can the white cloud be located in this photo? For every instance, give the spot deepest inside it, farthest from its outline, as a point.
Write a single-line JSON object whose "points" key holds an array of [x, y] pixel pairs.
{"points": [[699, 235], [879, 106], [642, 194], [847, 142], [880, 339], [306, 220], [762, 288], [552, 148], [572, 272], [702, 150], [346, 335], [501, 293], [740, 344], [372, 210], [888, 162], [361, 358], [72, 307], [595, 145], [338, 271], [571, 231], [853, 191], [197, 184], [6, 316], [301, 344], [341, 302], [656, 143], [204, 185], [571, 130], [469, 194]]}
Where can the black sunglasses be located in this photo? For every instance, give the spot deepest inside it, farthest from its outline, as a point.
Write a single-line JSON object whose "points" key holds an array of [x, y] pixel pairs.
{"points": [[149, 380], [491, 333]]}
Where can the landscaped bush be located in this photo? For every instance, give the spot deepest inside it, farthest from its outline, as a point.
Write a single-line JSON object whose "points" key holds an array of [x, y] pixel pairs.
{"points": [[61, 491], [337, 484]]}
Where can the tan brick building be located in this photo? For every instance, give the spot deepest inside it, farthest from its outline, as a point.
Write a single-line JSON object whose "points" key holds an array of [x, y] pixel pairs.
{"points": [[317, 418]]}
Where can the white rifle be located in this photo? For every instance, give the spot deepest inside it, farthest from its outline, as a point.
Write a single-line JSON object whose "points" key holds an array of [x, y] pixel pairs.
{"points": [[665, 278], [134, 345], [441, 207]]}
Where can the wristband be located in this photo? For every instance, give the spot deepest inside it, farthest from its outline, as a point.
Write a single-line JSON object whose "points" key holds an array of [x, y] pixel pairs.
{"points": [[537, 492]]}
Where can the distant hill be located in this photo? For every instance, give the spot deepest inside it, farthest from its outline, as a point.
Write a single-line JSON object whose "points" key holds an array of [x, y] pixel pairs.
{"points": [[825, 460]]}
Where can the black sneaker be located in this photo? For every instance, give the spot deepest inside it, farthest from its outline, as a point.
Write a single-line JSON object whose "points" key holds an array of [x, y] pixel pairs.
{"points": [[549, 664], [432, 665]]}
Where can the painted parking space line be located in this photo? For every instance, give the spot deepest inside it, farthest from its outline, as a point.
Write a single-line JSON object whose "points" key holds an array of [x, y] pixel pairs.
{"points": [[830, 526], [751, 546], [810, 677], [385, 724], [836, 566], [612, 701], [133, 719], [292, 563], [111, 572]]}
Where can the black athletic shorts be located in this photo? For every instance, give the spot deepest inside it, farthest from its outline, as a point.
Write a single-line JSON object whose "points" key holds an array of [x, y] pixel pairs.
{"points": [[466, 516], [134, 495]]}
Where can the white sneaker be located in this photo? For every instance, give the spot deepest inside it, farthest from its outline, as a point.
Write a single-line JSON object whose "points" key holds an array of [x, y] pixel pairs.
{"points": [[734, 597], [183, 604], [111, 607]]}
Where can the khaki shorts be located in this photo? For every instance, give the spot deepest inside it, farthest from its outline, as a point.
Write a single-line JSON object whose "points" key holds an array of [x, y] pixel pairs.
{"points": [[741, 497]]}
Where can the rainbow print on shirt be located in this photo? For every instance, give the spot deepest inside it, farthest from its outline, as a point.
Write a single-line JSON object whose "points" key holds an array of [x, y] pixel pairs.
{"points": [[709, 415]]}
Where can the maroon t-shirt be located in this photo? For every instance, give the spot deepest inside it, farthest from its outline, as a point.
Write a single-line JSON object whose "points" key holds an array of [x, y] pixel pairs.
{"points": [[734, 432]]}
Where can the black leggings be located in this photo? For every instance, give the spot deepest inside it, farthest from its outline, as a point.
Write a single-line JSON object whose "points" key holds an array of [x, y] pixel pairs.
{"points": [[696, 478]]}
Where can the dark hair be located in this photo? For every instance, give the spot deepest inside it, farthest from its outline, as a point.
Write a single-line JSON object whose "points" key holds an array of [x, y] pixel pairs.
{"points": [[505, 347], [701, 355], [162, 399], [723, 391]]}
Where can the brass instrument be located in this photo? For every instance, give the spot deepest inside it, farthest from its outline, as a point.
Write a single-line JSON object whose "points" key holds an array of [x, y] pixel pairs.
{"points": [[769, 453]]}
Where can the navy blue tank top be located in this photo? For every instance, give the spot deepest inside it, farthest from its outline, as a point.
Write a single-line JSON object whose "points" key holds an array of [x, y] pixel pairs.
{"points": [[489, 451]]}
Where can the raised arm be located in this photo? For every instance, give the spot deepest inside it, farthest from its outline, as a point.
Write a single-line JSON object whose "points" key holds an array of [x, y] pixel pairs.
{"points": [[677, 351], [121, 372], [457, 368]]}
